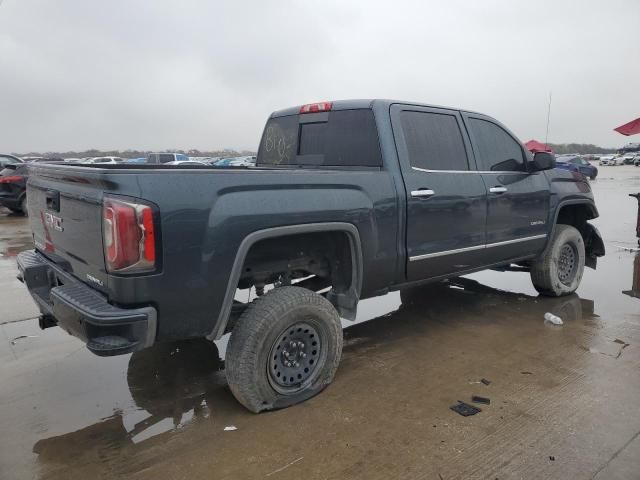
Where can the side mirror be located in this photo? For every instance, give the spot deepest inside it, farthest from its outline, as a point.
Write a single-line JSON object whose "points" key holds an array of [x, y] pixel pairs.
{"points": [[543, 161]]}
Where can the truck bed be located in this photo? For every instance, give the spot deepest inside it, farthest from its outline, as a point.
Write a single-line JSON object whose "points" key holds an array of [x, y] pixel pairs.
{"points": [[204, 214]]}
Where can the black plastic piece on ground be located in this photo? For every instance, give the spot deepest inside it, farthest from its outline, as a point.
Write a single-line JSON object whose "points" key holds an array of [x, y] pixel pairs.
{"points": [[485, 381], [46, 321], [465, 409], [478, 399]]}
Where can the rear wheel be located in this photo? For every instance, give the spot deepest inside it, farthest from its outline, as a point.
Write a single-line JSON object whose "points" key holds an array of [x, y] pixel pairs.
{"points": [[558, 271], [284, 349]]}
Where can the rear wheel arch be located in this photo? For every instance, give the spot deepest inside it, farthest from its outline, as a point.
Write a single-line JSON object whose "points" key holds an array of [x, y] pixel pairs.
{"points": [[344, 301]]}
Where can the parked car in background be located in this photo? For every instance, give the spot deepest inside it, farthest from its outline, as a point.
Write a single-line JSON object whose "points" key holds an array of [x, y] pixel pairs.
{"points": [[42, 159], [249, 161], [576, 163], [6, 159], [607, 160], [95, 160], [187, 162], [628, 158], [166, 157], [135, 160], [13, 184], [636, 161]]}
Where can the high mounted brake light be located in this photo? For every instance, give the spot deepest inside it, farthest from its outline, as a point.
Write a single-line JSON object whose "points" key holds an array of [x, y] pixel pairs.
{"points": [[129, 236], [316, 107]]}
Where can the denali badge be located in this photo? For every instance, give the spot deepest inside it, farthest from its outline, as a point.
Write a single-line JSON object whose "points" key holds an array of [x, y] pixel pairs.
{"points": [[53, 222], [538, 222]]}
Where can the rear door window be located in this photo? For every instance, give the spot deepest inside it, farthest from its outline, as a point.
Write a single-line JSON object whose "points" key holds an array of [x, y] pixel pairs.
{"points": [[166, 157], [434, 141], [339, 138], [498, 151]]}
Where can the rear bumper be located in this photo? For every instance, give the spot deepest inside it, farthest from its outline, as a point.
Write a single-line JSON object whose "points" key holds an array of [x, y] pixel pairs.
{"points": [[83, 311]]}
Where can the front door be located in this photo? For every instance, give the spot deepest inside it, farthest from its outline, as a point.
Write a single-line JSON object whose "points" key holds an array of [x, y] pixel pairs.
{"points": [[446, 198], [518, 200]]}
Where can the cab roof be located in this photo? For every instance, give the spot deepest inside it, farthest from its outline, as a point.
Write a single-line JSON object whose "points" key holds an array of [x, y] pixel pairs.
{"points": [[353, 104]]}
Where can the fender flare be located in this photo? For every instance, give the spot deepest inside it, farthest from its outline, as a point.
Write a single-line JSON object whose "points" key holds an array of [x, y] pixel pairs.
{"points": [[353, 294], [561, 204]]}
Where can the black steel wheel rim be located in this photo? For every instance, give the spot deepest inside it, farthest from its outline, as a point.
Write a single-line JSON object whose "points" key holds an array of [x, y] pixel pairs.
{"points": [[295, 357], [567, 262]]}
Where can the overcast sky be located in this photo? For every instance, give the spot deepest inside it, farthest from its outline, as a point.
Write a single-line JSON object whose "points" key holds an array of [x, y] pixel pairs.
{"points": [[78, 74]]}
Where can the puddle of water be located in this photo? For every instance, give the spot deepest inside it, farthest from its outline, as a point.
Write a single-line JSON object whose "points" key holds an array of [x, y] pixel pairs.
{"points": [[15, 235]]}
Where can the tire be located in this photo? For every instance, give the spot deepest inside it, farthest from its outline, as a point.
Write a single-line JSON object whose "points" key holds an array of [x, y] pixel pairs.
{"points": [[23, 206], [558, 271], [266, 367]]}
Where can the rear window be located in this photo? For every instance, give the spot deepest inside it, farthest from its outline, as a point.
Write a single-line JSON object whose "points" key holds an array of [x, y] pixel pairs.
{"points": [[338, 138]]}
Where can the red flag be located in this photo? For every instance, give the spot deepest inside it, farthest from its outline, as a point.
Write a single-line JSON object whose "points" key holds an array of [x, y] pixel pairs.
{"points": [[630, 128]]}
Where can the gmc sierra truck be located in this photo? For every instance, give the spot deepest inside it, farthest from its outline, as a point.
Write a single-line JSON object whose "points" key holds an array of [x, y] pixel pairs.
{"points": [[348, 200]]}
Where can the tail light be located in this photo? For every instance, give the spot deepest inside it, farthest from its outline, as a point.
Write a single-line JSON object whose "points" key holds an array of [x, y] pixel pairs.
{"points": [[316, 107], [11, 179], [128, 236]]}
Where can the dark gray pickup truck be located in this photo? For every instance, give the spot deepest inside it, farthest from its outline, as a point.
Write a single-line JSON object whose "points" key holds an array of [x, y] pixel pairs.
{"points": [[348, 200]]}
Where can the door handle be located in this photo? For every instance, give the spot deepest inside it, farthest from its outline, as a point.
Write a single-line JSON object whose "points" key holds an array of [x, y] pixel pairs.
{"points": [[497, 189], [423, 192]]}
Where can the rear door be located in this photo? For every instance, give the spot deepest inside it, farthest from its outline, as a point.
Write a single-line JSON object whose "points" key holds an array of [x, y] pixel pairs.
{"points": [[446, 198], [518, 200]]}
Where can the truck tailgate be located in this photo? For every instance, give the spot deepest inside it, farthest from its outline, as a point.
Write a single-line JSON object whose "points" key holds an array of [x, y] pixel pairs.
{"points": [[65, 215]]}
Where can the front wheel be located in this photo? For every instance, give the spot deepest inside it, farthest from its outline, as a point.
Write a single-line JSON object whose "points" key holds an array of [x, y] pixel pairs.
{"points": [[284, 349], [558, 271]]}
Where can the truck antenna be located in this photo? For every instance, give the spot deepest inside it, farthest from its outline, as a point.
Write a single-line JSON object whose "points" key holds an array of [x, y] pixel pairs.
{"points": [[546, 135]]}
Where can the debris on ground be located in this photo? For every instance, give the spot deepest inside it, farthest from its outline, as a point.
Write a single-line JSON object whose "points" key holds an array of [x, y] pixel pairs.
{"points": [[230, 428], [286, 466], [526, 373], [485, 381], [20, 337], [552, 458], [479, 399], [551, 318], [465, 409]]}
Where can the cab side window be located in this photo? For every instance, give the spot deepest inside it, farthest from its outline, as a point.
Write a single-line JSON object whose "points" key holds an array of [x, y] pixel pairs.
{"points": [[434, 141], [498, 151]]}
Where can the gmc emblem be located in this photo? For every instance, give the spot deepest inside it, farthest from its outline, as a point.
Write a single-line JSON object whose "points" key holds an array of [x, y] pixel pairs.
{"points": [[52, 221]]}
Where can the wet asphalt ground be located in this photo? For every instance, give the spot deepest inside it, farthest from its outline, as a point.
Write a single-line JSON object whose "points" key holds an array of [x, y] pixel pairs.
{"points": [[565, 400]]}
